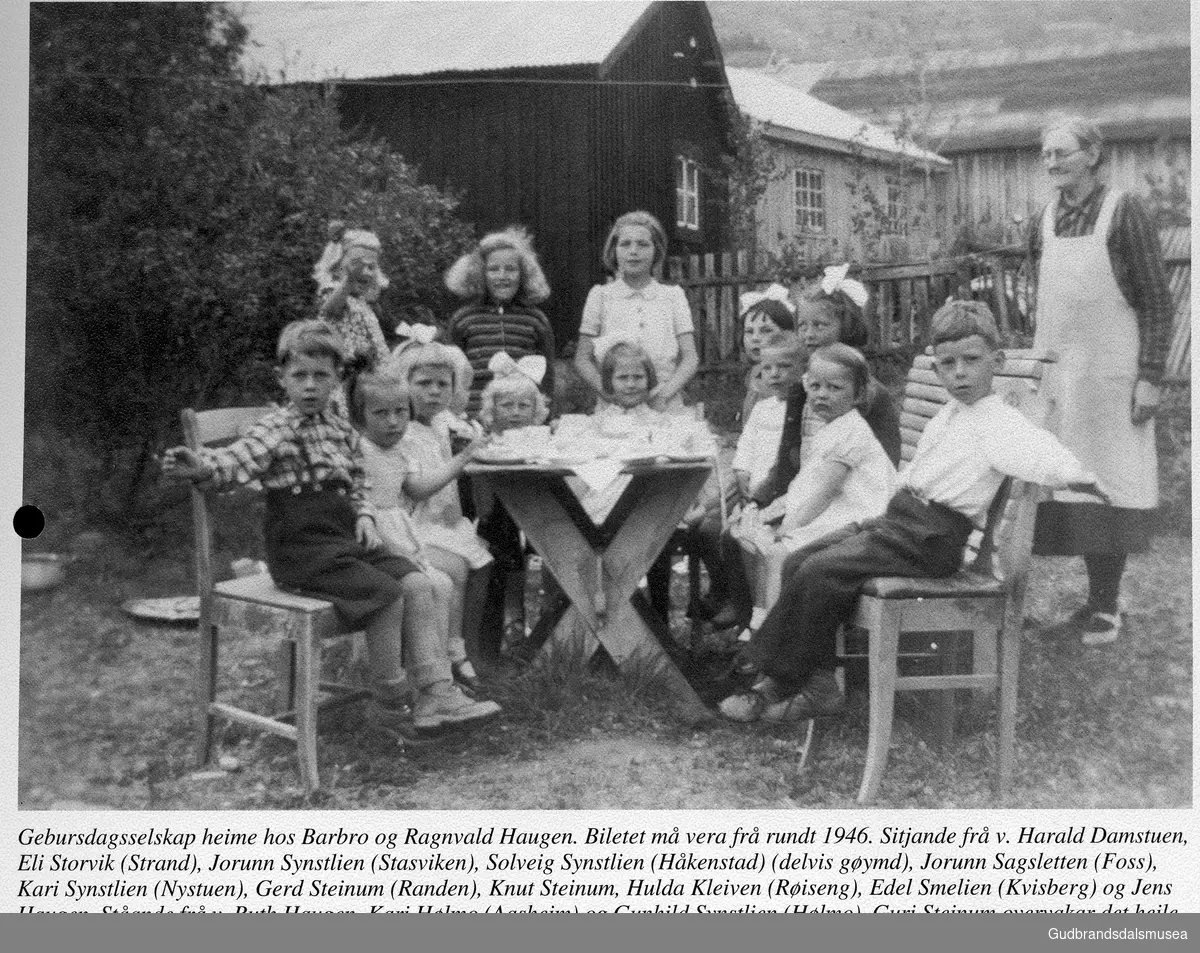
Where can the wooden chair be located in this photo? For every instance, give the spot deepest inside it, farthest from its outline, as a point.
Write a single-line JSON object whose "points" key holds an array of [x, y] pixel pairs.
{"points": [[986, 598], [255, 605]]}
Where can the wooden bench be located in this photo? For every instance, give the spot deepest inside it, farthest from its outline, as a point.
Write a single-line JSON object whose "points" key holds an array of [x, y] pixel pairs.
{"points": [[255, 605], [985, 598]]}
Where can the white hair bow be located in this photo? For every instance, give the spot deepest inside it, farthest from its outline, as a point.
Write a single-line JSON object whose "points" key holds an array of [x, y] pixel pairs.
{"points": [[775, 292], [532, 366], [323, 270], [421, 333], [835, 280]]}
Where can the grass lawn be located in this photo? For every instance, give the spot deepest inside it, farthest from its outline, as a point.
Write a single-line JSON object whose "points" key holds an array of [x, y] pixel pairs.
{"points": [[106, 721]]}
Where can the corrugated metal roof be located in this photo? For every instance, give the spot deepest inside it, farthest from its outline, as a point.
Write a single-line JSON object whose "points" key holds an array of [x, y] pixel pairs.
{"points": [[1000, 99], [972, 124], [352, 40], [767, 100]]}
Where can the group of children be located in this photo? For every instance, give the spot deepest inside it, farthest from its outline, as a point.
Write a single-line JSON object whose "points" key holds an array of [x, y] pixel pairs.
{"points": [[363, 483]]}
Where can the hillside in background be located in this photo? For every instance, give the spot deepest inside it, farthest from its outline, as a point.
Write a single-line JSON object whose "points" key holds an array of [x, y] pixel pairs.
{"points": [[817, 31]]}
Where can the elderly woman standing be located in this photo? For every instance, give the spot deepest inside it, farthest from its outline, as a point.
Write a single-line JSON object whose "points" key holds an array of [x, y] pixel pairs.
{"points": [[1103, 305]]}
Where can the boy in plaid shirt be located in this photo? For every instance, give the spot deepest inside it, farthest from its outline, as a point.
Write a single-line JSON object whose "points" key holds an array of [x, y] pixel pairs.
{"points": [[320, 531]]}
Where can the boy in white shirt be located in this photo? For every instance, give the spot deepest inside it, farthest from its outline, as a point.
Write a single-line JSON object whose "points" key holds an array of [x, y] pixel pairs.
{"points": [[964, 454]]}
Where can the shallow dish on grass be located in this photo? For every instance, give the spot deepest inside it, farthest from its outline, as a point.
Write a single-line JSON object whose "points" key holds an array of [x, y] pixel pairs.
{"points": [[169, 609], [42, 571]]}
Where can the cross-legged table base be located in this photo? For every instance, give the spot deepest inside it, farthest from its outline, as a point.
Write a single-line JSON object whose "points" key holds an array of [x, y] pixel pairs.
{"points": [[599, 567]]}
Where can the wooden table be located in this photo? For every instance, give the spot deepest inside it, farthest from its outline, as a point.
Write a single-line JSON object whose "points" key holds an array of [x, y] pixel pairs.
{"points": [[599, 567]]}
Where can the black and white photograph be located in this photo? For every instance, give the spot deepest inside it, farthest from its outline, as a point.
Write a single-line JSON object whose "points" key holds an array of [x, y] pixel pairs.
{"points": [[360, 474]]}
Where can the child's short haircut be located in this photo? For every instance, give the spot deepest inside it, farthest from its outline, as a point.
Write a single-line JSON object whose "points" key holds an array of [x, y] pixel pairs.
{"points": [[648, 222], [784, 344], [467, 277], [517, 385], [852, 329], [625, 349], [956, 320], [778, 312], [310, 338], [385, 375], [852, 361]]}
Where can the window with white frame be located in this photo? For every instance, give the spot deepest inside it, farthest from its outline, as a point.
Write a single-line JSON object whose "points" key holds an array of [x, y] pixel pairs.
{"points": [[897, 205], [687, 193], [809, 199]]}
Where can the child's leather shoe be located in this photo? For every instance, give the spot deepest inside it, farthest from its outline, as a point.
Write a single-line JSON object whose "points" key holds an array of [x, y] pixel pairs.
{"points": [[819, 698], [444, 706], [1102, 628], [464, 673]]}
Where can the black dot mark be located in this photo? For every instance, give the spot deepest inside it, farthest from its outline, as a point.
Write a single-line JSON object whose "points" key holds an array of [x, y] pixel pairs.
{"points": [[29, 522]]}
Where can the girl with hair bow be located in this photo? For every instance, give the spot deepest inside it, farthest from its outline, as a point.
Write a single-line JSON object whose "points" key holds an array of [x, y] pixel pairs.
{"points": [[829, 311], [349, 279], [510, 401], [416, 336], [511, 398], [501, 283], [764, 314]]}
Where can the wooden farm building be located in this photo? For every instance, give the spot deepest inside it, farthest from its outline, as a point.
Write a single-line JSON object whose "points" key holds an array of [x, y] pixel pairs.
{"points": [[830, 170], [985, 110], [556, 115]]}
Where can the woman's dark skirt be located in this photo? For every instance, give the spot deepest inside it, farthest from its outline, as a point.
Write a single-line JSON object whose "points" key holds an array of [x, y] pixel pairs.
{"points": [[1091, 529]]}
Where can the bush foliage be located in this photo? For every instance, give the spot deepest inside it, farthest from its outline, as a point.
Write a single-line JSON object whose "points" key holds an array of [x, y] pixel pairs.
{"points": [[175, 214]]}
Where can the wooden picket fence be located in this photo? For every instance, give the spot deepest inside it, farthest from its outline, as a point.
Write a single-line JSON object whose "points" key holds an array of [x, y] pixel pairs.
{"points": [[904, 297]]}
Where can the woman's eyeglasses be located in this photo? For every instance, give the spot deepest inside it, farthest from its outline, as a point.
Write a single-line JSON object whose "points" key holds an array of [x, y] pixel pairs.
{"points": [[1057, 155]]}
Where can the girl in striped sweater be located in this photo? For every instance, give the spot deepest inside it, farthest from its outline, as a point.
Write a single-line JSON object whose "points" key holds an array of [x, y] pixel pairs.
{"points": [[502, 283]]}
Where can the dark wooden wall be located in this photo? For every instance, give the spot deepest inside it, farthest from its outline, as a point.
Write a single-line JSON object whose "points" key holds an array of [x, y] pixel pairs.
{"points": [[561, 151]]}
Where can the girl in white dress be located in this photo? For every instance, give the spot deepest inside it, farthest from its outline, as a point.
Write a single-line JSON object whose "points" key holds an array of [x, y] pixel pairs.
{"points": [[380, 408], [636, 307], [846, 478], [434, 380]]}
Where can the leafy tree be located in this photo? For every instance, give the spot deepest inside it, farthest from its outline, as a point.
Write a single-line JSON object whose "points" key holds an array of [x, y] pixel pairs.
{"points": [[175, 214], [747, 170]]}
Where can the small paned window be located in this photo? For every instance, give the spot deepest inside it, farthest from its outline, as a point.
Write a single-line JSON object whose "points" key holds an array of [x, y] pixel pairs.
{"points": [[897, 205], [809, 200], [687, 193]]}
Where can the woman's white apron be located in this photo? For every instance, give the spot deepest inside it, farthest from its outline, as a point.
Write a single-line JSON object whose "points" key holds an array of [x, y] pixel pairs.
{"points": [[1083, 317]]}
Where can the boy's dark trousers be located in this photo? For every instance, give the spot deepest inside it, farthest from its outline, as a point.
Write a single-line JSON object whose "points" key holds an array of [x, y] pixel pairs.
{"points": [[312, 549], [822, 582]]}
